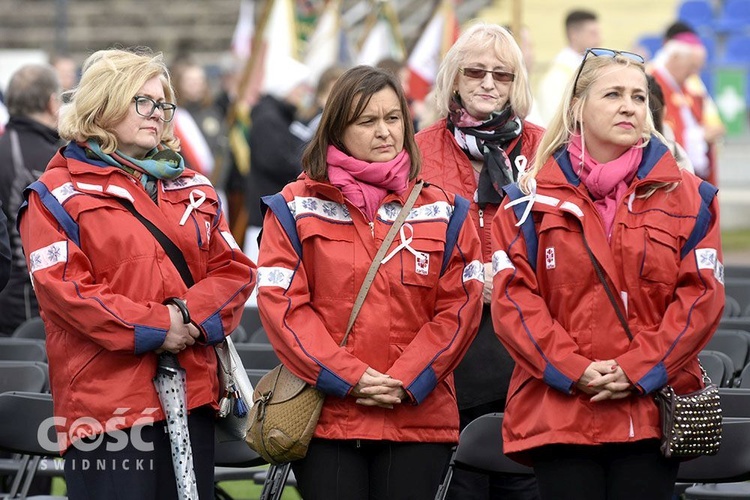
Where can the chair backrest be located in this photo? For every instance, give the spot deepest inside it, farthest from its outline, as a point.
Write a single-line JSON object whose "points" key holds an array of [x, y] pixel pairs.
{"points": [[732, 271], [480, 448], [735, 402], [651, 43], [14, 349], [27, 425], [235, 454], [731, 464], [255, 374], [718, 366], [239, 335], [259, 336], [250, 319], [732, 308], [696, 13], [733, 343], [258, 356], [744, 379], [32, 328], [739, 288], [26, 376]]}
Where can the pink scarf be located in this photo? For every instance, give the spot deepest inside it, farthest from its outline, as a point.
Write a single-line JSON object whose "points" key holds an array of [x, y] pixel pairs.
{"points": [[607, 182], [365, 184]]}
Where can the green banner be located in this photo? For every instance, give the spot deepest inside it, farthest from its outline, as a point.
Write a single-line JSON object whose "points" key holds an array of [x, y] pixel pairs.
{"points": [[729, 92]]}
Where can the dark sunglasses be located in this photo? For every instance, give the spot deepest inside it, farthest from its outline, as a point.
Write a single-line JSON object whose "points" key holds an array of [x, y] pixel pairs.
{"points": [[479, 74], [599, 52]]}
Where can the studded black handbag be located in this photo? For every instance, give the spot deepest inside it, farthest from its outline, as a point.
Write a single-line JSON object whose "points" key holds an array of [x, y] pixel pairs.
{"points": [[690, 423]]}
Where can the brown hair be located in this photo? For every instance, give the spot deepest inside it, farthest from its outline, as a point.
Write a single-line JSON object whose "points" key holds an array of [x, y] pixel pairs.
{"points": [[349, 97]]}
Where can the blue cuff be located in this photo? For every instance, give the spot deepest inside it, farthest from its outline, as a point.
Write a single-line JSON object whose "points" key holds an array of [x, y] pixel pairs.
{"points": [[655, 379], [214, 329], [423, 385], [148, 339], [329, 383], [555, 379]]}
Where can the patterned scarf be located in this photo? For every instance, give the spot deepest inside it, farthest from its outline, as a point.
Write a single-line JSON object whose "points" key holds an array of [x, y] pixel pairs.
{"points": [[160, 163], [487, 141]]}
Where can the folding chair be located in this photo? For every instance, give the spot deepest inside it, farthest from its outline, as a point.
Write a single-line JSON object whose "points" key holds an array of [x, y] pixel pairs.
{"points": [[250, 319], [234, 460], [274, 480], [480, 449], [15, 349], [732, 308], [24, 416], [257, 356], [745, 377], [25, 376], [733, 343], [739, 288], [32, 328], [718, 366]]}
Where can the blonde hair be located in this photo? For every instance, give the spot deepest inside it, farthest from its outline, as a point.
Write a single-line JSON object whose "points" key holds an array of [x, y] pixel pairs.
{"points": [[109, 81], [567, 120], [479, 38]]}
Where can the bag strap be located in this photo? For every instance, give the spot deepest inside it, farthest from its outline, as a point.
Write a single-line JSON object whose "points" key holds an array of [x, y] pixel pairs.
{"points": [[379, 256], [611, 296], [172, 250]]}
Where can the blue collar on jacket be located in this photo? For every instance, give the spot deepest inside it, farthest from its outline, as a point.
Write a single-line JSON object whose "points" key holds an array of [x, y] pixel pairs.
{"points": [[652, 153], [75, 152]]}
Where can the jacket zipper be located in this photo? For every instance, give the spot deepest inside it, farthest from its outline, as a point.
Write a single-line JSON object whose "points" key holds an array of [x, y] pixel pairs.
{"points": [[481, 218], [372, 228]]}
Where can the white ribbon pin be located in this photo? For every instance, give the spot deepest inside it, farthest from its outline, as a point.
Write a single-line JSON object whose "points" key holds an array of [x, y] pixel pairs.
{"points": [[194, 203], [404, 243]]}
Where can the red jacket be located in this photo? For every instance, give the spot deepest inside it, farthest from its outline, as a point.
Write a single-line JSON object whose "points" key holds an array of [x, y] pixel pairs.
{"points": [[101, 278], [415, 324], [445, 164], [556, 319]]}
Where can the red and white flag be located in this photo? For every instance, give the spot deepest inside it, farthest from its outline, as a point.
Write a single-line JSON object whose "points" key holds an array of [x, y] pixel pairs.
{"points": [[384, 40], [328, 45], [439, 35]]}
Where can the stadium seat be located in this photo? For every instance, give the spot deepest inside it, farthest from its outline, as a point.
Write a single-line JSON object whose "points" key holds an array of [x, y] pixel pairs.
{"points": [[744, 381], [736, 50], [733, 343], [650, 43], [718, 366], [32, 328], [734, 17], [699, 14], [739, 288], [17, 349], [732, 308], [257, 356], [480, 448]]}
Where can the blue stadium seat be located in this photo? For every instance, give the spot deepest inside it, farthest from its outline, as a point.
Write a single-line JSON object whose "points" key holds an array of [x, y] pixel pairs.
{"points": [[734, 17], [697, 13]]}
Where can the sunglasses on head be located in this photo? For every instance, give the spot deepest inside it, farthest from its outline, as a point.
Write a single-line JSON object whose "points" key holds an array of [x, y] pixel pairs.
{"points": [[479, 74], [601, 52]]}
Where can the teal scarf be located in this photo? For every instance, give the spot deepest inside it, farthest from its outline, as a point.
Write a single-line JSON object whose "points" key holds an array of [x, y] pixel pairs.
{"points": [[160, 163]]}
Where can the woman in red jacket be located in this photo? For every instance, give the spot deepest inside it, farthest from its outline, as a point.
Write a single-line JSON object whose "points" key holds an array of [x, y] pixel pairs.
{"points": [[481, 144], [109, 294], [389, 417], [608, 281]]}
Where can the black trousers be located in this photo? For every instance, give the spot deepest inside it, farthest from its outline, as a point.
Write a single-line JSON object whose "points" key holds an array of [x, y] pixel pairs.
{"points": [[142, 469], [617, 471], [371, 470], [468, 485]]}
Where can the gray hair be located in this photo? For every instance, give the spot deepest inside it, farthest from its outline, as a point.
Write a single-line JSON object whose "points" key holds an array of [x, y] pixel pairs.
{"points": [[30, 89]]}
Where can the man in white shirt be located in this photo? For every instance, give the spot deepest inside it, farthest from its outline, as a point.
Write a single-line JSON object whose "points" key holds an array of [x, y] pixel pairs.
{"points": [[582, 31]]}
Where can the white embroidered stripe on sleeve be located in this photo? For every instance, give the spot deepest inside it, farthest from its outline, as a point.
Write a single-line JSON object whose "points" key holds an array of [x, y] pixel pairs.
{"points": [[708, 258], [500, 262], [325, 209], [48, 256], [474, 270], [439, 210], [64, 192], [230, 240], [275, 276]]}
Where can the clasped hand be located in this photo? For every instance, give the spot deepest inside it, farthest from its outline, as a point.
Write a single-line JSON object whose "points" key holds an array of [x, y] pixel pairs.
{"points": [[378, 389], [605, 380], [179, 335]]}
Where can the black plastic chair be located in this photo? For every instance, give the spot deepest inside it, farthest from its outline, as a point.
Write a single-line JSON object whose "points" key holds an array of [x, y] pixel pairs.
{"points": [[739, 288], [250, 319], [733, 343], [718, 366], [735, 402], [257, 356], [15, 349], [32, 328], [732, 308], [745, 377], [259, 336], [480, 449], [24, 416], [26, 376], [234, 460]]}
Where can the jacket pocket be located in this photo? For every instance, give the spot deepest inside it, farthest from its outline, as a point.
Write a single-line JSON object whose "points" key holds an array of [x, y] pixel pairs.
{"points": [[660, 256], [328, 256], [422, 267]]}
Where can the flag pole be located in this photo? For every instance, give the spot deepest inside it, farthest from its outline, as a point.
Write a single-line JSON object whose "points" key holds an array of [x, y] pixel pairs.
{"points": [[238, 216], [433, 10], [516, 20]]}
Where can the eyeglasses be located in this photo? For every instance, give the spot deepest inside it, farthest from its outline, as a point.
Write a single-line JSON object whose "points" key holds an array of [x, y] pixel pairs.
{"points": [[145, 106], [479, 74], [598, 52]]}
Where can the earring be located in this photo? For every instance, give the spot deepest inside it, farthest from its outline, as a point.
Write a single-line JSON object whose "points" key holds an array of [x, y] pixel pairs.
{"points": [[456, 94]]}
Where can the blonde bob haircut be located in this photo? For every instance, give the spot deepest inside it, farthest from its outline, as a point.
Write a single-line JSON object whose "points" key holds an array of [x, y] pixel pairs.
{"points": [[109, 81], [349, 97], [476, 40], [567, 120]]}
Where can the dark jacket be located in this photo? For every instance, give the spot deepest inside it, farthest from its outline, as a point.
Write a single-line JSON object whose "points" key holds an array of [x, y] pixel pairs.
{"points": [[275, 153], [38, 144]]}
